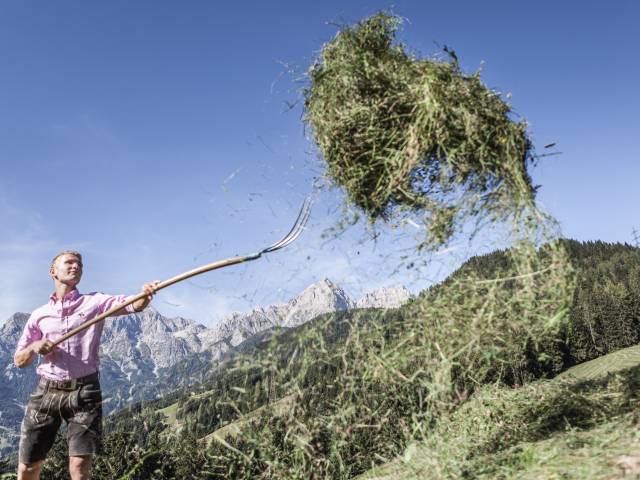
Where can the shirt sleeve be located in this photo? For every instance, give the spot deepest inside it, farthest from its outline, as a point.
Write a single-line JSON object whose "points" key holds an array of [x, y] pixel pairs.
{"points": [[30, 333], [107, 302]]}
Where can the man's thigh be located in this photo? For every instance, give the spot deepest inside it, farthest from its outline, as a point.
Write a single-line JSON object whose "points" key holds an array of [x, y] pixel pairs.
{"points": [[84, 424], [39, 426]]}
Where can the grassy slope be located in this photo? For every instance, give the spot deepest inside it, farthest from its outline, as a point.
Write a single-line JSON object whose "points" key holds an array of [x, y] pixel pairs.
{"points": [[170, 411], [571, 453], [233, 428], [597, 452], [170, 414], [614, 362], [600, 452], [609, 449]]}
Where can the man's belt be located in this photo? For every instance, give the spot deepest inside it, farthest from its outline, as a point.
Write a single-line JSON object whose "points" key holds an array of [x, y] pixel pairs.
{"points": [[68, 384]]}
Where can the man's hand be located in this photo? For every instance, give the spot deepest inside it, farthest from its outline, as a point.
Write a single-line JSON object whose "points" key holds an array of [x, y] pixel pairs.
{"points": [[25, 356], [41, 347], [150, 289]]}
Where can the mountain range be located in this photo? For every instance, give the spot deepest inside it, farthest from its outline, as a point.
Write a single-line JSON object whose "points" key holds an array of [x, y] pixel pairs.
{"points": [[139, 352]]}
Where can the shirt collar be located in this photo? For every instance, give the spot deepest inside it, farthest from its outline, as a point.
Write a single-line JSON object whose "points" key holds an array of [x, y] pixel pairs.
{"points": [[72, 295]]}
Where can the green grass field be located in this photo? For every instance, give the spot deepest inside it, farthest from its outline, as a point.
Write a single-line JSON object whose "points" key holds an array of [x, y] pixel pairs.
{"points": [[614, 362], [170, 414], [171, 411], [234, 428], [607, 449], [598, 453]]}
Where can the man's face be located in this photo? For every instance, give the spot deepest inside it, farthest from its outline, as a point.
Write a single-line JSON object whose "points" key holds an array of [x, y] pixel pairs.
{"points": [[67, 269]]}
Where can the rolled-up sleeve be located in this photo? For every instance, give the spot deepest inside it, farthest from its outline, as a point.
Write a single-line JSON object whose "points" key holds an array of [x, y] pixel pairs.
{"points": [[107, 302], [30, 333]]}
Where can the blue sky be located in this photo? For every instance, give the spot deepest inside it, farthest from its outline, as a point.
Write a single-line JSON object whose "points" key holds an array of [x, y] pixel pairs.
{"points": [[156, 136]]}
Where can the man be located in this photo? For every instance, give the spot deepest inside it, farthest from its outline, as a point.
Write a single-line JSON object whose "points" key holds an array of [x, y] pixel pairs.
{"points": [[69, 387]]}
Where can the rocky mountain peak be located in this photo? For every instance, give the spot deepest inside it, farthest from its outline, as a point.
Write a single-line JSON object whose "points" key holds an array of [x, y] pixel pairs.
{"points": [[318, 298], [321, 297], [14, 323], [10, 332], [385, 297]]}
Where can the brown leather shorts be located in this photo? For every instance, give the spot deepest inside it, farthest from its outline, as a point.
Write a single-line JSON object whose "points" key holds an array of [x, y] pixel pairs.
{"points": [[80, 408]]}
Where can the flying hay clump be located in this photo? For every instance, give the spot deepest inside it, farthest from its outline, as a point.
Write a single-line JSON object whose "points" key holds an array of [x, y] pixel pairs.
{"points": [[398, 131]]}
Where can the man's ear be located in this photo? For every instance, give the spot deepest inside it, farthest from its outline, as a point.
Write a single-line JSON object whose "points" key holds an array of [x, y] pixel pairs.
{"points": [[52, 271]]}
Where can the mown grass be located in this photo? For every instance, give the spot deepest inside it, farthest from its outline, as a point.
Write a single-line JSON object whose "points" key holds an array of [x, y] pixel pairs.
{"points": [[401, 132], [580, 425], [574, 454]]}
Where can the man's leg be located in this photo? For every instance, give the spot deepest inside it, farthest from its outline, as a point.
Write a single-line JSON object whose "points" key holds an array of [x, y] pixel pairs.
{"points": [[80, 467], [29, 471], [37, 432], [84, 429]]}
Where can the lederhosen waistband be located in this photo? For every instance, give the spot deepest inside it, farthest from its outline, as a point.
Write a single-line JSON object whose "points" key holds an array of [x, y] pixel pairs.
{"points": [[69, 384]]}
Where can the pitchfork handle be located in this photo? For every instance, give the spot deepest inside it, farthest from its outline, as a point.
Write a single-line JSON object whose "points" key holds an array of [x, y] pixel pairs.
{"points": [[160, 286]]}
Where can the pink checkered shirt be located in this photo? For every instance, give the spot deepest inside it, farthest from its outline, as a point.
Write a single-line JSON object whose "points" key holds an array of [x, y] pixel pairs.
{"points": [[77, 356]]}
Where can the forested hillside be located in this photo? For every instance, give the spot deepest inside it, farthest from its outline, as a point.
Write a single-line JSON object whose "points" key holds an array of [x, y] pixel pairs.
{"points": [[142, 442], [605, 312]]}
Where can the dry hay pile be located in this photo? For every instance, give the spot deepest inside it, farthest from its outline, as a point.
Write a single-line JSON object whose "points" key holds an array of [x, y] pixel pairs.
{"points": [[399, 131]]}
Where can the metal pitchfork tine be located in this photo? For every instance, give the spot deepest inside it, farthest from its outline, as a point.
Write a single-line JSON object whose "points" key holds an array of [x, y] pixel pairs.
{"points": [[296, 230]]}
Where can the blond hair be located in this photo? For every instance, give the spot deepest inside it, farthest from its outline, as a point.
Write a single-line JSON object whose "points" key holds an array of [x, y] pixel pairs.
{"points": [[66, 252]]}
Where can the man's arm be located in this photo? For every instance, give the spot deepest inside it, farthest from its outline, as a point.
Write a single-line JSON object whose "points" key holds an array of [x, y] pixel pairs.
{"points": [[112, 300], [150, 290], [25, 356]]}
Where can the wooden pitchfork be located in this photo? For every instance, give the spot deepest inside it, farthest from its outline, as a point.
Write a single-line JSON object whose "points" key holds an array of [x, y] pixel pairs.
{"points": [[294, 233]]}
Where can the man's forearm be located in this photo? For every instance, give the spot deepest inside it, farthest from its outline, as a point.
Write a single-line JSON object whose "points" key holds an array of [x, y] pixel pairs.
{"points": [[141, 304], [150, 290], [24, 357]]}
